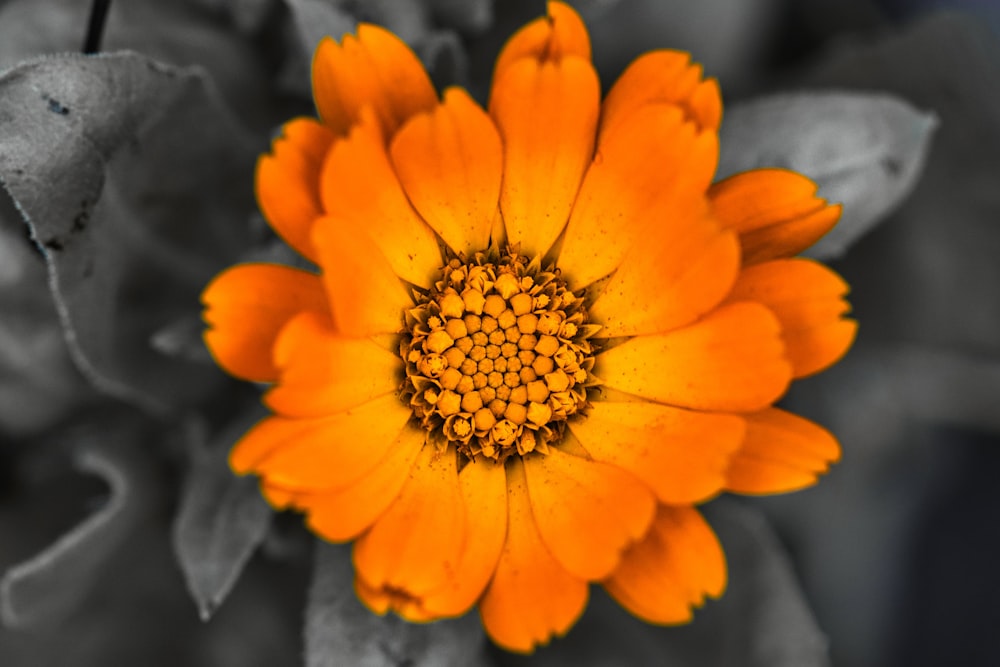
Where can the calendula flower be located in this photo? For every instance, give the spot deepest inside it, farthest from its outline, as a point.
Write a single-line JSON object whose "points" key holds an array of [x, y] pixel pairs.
{"points": [[537, 335]]}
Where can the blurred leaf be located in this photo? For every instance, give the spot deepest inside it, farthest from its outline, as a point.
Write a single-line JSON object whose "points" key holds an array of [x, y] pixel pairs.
{"points": [[445, 59], [465, 15], [136, 183], [181, 32], [762, 619], [316, 19], [865, 151], [221, 521], [341, 631], [930, 275], [38, 383], [51, 585]]}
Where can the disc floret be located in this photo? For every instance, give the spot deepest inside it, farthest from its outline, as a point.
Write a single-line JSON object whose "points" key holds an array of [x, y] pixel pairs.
{"points": [[498, 356]]}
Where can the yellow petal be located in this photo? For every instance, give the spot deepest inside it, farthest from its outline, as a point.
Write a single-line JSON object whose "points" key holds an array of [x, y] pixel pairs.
{"points": [[335, 451], [415, 547], [678, 564], [287, 182], [681, 455], [546, 113], [648, 176], [375, 69], [323, 373], [782, 452], [663, 77], [586, 512], [345, 513], [560, 34], [776, 212], [669, 279], [531, 597], [484, 491], [449, 162], [366, 295], [732, 360], [245, 308], [360, 189]]}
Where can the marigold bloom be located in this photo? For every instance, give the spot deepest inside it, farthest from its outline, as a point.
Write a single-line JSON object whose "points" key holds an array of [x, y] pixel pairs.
{"points": [[537, 337]]}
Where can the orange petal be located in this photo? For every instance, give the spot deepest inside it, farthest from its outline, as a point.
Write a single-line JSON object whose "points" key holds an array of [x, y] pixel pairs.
{"points": [[345, 513], [375, 69], [531, 597], [276, 497], [245, 308], [678, 564], [808, 299], [587, 512], [484, 490], [335, 451], [681, 455], [546, 113], [287, 182], [360, 189], [449, 163], [562, 33], [732, 360], [415, 547], [663, 77], [323, 373], [776, 212], [266, 436], [676, 274], [366, 295], [645, 178], [782, 452]]}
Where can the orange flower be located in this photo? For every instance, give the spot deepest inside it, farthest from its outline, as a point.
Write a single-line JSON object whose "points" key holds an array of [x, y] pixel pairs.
{"points": [[537, 337]]}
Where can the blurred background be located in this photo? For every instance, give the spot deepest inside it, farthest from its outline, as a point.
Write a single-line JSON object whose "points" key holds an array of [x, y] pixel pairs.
{"points": [[894, 552]]}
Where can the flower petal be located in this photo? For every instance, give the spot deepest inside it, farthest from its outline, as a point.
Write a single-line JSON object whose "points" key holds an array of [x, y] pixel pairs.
{"points": [[663, 76], [323, 373], [647, 175], [732, 360], [366, 295], [586, 512], [416, 545], [678, 564], [287, 182], [675, 275], [531, 597], [335, 451], [360, 189], [245, 308], [776, 212], [375, 69], [344, 513], [562, 33], [681, 455], [546, 113], [484, 490], [782, 452], [808, 299], [449, 162]]}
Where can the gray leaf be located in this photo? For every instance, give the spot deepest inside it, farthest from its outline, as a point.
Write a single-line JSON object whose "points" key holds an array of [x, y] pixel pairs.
{"points": [[762, 620], [865, 151], [341, 631], [136, 183], [464, 15], [316, 19], [221, 521], [51, 585]]}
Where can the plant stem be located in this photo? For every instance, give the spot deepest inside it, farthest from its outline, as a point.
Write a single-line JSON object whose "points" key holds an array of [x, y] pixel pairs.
{"points": [[95, 28]]}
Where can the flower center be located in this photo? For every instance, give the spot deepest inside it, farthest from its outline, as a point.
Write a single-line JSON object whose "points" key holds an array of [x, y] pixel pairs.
{"points": [[497, 356]]}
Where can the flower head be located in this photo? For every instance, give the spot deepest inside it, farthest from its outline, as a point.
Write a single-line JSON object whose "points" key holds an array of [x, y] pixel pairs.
{"points": [[537, 336]]}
